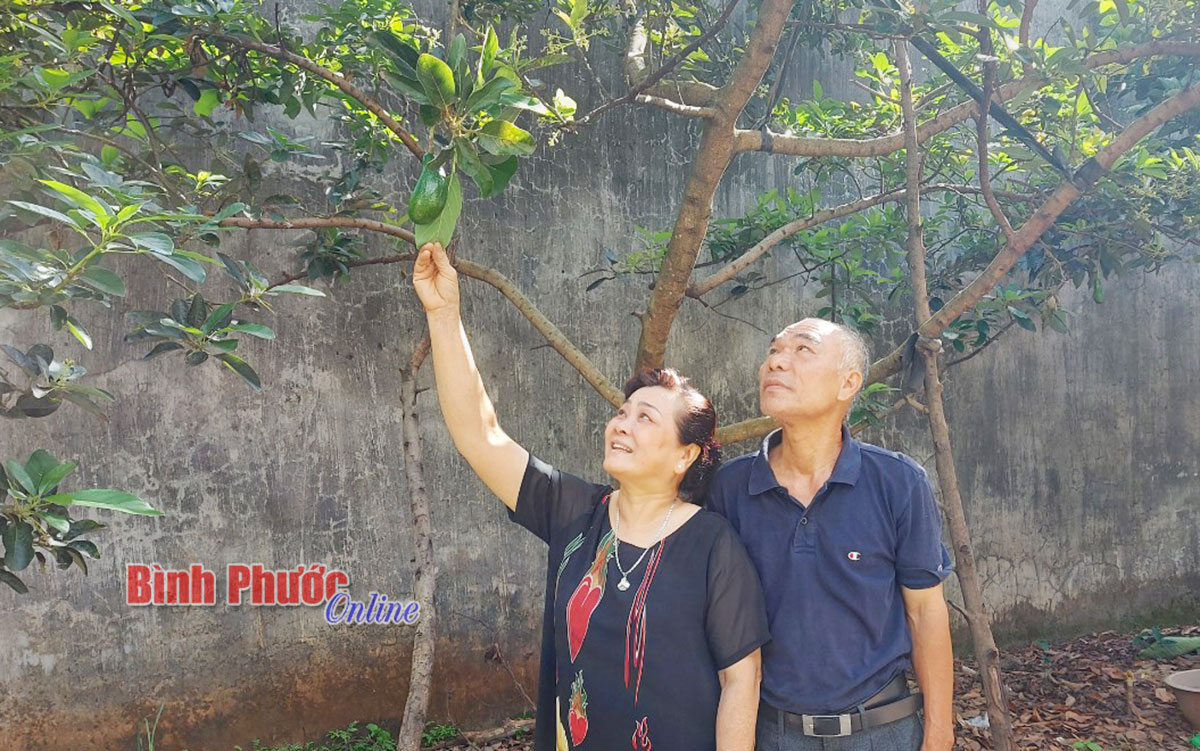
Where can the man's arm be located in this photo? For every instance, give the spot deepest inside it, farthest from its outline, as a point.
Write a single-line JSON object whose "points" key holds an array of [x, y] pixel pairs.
{"points": [[933, 660]]}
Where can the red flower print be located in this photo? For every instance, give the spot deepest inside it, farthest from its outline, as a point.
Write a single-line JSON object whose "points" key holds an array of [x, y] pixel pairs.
{"points": [[587, 596], [577, 716]]}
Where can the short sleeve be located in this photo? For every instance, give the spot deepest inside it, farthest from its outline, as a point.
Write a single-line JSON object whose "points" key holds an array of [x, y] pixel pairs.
{"points": [[550, 499], [922, 560], [736, 613]]}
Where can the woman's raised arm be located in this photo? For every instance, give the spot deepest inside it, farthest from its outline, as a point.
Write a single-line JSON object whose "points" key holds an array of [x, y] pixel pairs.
{"points": [[497, 459]]}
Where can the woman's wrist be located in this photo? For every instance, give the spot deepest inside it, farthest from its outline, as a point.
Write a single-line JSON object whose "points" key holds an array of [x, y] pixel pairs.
{"points": [[445, 314]]}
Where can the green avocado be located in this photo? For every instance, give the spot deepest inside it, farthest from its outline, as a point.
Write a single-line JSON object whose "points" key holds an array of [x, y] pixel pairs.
{"points": [[428, 197]]}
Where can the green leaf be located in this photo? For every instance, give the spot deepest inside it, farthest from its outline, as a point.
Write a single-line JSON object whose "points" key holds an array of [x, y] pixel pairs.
{"points": [[16, 472], [227, 211], [154, 241], [185, 266], [502, 138], [524, 102], [487, 95], [81, 527], [436, 79], [161, 348], [468, 160], [18, 545], [254, 329], [79, 332], [78, 198], [55, 520], [52, 477], [105, 498], [967, 17], [408, 88], [197, 311], [76, 558], [491, 45], [403, 54], [84, 403], [46, 212], [502, 173], [104, 280], [87, 547], [241, 367], [298, 289], [38, 464], [13, 581], [457, 55], [217, 316], [441, 230], [208, 101]]}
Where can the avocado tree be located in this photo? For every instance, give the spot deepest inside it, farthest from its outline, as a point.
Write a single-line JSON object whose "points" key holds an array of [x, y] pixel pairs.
{"points": [[916, 193]]}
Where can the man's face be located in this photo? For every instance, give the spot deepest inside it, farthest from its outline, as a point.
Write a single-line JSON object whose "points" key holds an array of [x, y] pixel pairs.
{"points": [[800, 376]]}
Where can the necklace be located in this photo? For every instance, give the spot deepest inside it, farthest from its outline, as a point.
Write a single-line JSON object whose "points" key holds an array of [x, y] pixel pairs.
{"points": [[624, 583]]}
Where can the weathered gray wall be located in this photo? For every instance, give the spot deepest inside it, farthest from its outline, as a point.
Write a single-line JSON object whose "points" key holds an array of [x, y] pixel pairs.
{"points": [[1077, 455]]}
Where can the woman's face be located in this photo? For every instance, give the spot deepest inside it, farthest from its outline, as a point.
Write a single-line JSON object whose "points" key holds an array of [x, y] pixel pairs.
{"points": [[641, 441]]}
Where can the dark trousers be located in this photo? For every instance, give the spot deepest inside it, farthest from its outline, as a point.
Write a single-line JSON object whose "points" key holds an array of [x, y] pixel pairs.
{"points": [[902, 735]]}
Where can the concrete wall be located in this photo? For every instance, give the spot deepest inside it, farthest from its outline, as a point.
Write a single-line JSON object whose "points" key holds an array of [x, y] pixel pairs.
{"points": [[1077, 456]]}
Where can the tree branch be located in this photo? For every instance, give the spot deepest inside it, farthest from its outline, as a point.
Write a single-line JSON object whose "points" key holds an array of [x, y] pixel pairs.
{"points": [[691, 93], [760, 248], [416, 704], [779, 143], [554, 336], [981, 633], [1023, 31], [736, 266], [647, 81], [1023, 239], [677, 108], [337, 80], [708, 166], [1045, 216], [981, 128]]}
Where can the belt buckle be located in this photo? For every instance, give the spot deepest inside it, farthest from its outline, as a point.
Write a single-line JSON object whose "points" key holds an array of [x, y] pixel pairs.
{"points": [[809, 724]]}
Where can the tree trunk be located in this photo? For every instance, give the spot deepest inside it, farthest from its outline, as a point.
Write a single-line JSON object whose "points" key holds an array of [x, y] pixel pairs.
{"points": [[425, 577], [960, 536], [978, 620]]}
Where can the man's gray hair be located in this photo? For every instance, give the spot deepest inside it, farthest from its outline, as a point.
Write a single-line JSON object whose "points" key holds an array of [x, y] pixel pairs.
{"points": [[856, 353]]}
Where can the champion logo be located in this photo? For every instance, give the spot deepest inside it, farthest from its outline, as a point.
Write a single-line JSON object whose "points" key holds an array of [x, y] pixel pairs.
{"points": [[854, 555]]}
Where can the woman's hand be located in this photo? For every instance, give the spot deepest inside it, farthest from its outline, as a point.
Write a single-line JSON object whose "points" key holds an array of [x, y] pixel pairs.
{"points": [[435, 279]]}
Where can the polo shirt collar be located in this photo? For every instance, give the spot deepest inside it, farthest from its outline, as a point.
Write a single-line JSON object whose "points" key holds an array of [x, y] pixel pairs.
{"points": [[845, 470]]}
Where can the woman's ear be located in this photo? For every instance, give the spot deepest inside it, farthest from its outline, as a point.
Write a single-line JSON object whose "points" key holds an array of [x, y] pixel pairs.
{"points": [[690, 452]]}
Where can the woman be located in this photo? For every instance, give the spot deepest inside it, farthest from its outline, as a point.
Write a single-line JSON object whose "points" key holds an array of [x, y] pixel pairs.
{"points": [[654, 614]]}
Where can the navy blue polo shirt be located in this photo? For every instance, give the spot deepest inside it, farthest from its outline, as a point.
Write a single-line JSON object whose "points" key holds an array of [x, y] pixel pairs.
{"points": [[832, 572]]}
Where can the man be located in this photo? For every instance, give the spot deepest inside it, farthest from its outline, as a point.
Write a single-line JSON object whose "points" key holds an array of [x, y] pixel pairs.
{"points": [[846, 538]]}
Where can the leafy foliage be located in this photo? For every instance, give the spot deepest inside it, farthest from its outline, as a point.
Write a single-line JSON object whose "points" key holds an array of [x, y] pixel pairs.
{"points": [[35, 516]]}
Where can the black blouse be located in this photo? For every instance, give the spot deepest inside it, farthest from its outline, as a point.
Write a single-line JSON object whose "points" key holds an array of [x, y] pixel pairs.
{"points": [[620, 669]]}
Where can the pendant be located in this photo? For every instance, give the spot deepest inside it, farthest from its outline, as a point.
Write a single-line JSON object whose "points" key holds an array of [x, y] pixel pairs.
{"points": [[623, 584]]}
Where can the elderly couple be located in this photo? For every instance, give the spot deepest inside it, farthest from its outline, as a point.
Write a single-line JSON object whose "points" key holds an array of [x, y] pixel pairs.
{"points": [[812, 566]]}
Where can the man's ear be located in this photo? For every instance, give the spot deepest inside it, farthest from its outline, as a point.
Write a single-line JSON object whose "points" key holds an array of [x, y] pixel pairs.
{"points": [[851, 383]]}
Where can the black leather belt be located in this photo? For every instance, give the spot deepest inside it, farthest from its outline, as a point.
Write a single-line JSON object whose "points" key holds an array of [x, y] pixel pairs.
{"points": [[893, 702]]}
